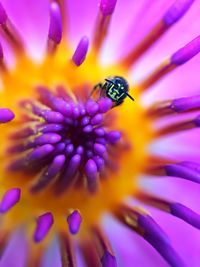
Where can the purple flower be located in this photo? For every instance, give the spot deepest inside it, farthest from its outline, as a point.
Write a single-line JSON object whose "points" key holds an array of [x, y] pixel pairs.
{"points": [[100, 133]]}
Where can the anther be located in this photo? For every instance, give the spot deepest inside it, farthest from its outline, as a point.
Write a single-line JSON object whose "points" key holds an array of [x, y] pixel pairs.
{"points": [[107, 8], [180, 57], [173, 15], [74, 220], [10, 199], [44, 224], [6, 115], [55, 27], [81, 51]]}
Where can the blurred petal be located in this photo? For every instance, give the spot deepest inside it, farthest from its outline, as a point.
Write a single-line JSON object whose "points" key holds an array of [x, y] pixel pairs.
{"points": [[31, 19], [15, 254], [52, 257], [130, 249]]}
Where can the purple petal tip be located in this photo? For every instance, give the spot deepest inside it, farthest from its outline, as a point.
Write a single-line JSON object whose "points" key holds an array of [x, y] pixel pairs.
{"points": [[6, 115], [107, 7], [74, 221], [10, 198], [55, 28], [81, 51], [44, 223], [176, 11]]}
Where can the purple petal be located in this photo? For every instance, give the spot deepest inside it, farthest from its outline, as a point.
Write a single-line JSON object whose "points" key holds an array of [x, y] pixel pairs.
{"points": [[16, 252]]}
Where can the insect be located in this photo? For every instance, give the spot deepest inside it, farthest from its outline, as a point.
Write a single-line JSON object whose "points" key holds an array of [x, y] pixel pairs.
{"points": [[116, 88]]}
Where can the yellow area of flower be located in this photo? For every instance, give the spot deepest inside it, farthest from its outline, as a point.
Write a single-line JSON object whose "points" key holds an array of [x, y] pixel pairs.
{"points": [[20, 83]]}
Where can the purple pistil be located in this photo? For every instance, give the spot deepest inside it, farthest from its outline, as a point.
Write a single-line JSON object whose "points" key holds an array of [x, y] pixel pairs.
{"points": [[187, 52], [55, 27], [81, 51], [10, 199], [74, 222], [66, 143], [6, 115], [107, 7], [176, 11], [44, 223]]}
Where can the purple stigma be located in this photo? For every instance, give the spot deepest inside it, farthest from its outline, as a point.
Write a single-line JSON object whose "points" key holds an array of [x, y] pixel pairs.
{"points": [[70, 141], [176, 11], [81, 51], [40, 152], [10, 199], [44, 223], [187, 52], [55, 27], [3, 15], [6, 115], [105, 104], [74, 222], [107, 7], [91, 175], [108, 260], [113, 137]]}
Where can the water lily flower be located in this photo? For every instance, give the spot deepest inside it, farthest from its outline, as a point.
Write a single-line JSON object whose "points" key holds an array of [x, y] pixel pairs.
{"points": [[99, 114]]}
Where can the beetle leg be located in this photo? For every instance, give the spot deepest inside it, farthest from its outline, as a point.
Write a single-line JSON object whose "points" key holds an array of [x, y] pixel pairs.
{"points": [[96, 87]]}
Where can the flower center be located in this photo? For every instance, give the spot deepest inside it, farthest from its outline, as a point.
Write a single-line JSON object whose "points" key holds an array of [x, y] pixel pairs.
{"points": [[69, 151]]}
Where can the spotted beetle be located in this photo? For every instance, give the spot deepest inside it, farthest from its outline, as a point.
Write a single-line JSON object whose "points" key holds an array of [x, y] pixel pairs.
{"points": [[116, 88]]}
